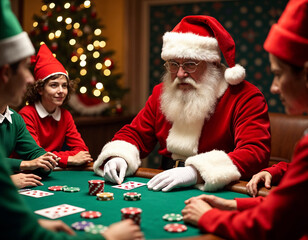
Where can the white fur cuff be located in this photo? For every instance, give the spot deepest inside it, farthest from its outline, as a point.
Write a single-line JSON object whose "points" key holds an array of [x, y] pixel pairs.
{"points": [[215, 168], [118, 148]]}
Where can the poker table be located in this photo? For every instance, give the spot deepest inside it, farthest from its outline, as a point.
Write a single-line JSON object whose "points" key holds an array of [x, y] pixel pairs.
{"points": [[154, 204]]}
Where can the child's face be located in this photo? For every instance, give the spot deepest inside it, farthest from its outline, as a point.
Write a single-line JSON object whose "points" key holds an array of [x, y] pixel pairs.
{"points": [[54, 93]]}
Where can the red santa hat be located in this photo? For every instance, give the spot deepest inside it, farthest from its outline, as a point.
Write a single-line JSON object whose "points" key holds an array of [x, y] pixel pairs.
{"points": [[288, 39], [46, 65], [203, 38]]}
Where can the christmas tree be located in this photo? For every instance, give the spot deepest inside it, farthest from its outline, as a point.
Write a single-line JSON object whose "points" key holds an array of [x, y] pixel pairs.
{"points": [[72, 31]]}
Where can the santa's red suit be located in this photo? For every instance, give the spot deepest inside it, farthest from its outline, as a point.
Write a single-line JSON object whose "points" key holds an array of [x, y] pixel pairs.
{"points": [[233, 143]]}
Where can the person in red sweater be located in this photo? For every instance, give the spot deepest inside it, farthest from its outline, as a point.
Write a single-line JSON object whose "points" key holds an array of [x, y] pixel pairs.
{"points": [[283, 213], [51, 126]]}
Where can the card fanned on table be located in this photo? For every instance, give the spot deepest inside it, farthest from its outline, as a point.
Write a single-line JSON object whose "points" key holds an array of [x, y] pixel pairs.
{"points": [[59, 211]]}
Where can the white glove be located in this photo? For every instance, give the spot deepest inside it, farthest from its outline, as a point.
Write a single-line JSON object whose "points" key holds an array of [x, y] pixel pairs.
{"points": [[111, 169], [175, 177]]}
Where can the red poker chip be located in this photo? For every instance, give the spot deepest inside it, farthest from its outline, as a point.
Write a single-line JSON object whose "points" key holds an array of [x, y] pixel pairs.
{"points": [[131, 211], [96, 181], [91, 214], [175, 227], [55, 188]]}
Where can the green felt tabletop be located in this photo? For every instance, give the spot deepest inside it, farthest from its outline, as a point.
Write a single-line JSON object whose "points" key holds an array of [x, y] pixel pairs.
{"points": [[153, 204]]}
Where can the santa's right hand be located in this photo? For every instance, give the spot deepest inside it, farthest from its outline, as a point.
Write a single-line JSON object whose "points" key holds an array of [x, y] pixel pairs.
{"points": [[115, 169]]}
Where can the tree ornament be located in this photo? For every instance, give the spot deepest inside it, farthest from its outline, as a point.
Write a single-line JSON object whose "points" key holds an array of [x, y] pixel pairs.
{"points": [[54, 47]]}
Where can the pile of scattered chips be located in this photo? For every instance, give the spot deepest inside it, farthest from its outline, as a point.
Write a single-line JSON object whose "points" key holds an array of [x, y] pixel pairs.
{"points": [[172, 217], [104, 196], [70, 189], [132, 213], [175, 227], [56, 188], [132, 196], [95, 229], [90, 214], [80, 226], [96, 186]]}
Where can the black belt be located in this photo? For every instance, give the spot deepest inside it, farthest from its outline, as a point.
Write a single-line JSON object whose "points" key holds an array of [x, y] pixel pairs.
{"points": [[168, 163]]}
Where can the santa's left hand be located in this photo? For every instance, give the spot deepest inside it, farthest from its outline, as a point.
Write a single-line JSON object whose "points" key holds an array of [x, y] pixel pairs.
{"points": [[175, 177]]}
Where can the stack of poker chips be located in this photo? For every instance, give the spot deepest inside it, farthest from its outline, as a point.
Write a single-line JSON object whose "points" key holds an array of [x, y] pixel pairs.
{"points": [[96, 186], [132, 196], [132, 213], [104, 196]]}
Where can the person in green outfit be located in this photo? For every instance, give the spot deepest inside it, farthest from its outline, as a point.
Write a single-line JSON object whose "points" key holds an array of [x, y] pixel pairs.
{"points": [[15, 138], [17, 220]]}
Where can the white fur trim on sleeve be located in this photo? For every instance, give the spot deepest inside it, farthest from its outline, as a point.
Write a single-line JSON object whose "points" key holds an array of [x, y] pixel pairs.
{"points": [[215, 168], [122, 149]]}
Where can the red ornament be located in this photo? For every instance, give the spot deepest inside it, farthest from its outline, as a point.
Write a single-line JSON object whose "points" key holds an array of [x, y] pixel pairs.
{"points": [[75, 32], [45, 28], [119, 109], [93, 83], [84, 20], [58, 9], [111, 66], [49, 14], [54, 47], [93, 14], [73, 8]]}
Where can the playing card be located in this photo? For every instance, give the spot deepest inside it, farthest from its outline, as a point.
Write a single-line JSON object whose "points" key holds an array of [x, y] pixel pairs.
{"points": [[129, 185], [59, 211], [36, 193]]}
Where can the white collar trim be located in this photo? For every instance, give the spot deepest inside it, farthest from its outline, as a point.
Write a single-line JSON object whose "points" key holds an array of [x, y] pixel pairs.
{"points": [[43, 113], [7, 115]]}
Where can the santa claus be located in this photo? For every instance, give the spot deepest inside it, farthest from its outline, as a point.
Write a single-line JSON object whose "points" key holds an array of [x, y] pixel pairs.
{"points": [[210, 123]]}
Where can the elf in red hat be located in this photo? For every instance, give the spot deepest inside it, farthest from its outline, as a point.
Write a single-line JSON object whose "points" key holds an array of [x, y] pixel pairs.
{"points": [[206, 118], [283, 213], [51, 126]]}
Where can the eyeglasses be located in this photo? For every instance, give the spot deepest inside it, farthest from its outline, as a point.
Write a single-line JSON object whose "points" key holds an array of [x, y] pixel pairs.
{"points": [[189, 67]]}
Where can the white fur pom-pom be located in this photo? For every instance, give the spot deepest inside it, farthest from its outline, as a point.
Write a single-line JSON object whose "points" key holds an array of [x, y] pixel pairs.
{"points": [[235, 75]]}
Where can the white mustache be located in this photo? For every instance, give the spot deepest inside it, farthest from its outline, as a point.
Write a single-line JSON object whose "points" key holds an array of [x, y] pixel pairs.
{"points": [[186, 80]]}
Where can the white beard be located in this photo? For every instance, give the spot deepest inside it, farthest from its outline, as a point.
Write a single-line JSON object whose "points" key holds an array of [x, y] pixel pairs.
{"points": [[196, 104], [187, 110]]}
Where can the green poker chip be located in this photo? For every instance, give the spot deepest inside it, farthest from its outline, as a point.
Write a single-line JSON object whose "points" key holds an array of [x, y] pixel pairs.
{"points": [[132, 196], [173, 217], [95, 229], [70, 189]]}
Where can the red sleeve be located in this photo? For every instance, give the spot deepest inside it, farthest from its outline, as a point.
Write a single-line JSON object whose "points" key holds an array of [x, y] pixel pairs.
{"points": [[28, 114], [73, 140], [277, 171], [245, 203], [282, 215]]}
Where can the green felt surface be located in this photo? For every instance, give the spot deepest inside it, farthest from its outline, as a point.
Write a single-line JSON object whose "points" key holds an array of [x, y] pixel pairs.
{"points": [[153, 204]]}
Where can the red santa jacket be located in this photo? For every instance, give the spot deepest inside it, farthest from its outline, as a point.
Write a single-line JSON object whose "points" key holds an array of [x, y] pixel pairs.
{"points": [[281, 215], [233, 143]]}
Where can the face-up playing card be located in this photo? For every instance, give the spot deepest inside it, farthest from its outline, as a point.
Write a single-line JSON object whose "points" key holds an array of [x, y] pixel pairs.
{"points": [[36, 193], [129, 185], [59, 211]]}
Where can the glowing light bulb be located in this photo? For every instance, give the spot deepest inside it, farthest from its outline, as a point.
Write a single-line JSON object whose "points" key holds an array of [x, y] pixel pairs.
{"points": [[72, 42], [107, 72], [67, 5], [68, 20], [80, 50], [106, 99], [83, 63], [107, 62], [99, 85], [83, 57], [59, 19], [90, 47], [35, 24], [96, 54], [76, 25], [83, 89], [102, 44], [44, 8], [83, 72], [87, 4], [99, 66], [58, 33], [41, 43], [96, 43], [97, 32], [96, 93], [74, 59], [52, 5], [51, 36]]}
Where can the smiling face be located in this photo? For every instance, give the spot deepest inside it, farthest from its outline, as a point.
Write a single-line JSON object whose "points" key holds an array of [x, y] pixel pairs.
{"points": [[54, 93], [291, 85]]}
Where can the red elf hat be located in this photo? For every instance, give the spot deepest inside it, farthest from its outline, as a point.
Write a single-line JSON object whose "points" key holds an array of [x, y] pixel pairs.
{"points": [[203, 38], [288, 39], [46, 65]]}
